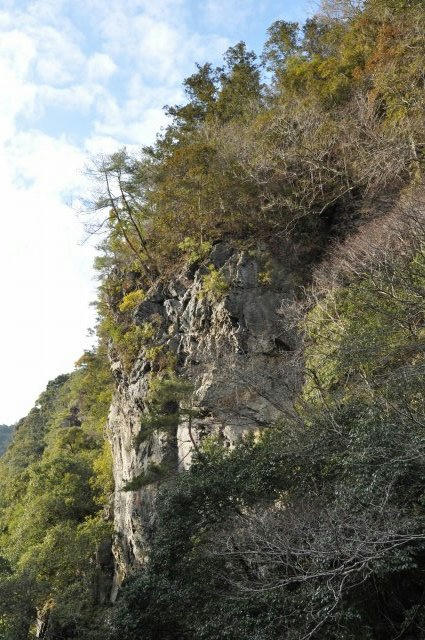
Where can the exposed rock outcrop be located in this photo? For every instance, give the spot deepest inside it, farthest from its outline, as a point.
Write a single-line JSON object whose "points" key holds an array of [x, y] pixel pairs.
{"points": [[6, 433], [235, 351]]}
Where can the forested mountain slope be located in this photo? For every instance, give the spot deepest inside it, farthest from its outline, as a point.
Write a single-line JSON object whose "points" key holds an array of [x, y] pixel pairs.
{"points": [[261, 358], [55, 480]]}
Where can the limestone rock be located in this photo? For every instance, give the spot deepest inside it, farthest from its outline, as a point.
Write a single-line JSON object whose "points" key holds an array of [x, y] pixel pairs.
{"points": [[236, 351]]}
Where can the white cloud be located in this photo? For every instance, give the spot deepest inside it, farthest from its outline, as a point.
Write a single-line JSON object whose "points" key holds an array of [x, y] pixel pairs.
{"points": [[234, 12], [46, 280], [99, 143], [100, 67], [155, 37], [45, 284], [16, 54], [52, 164], [59, 60], [105, 70]]}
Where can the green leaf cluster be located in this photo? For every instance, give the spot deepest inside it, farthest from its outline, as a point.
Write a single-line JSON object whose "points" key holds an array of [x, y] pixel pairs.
{"points": [[131, 300], [214, 285], [56, 478], [167, 402]]}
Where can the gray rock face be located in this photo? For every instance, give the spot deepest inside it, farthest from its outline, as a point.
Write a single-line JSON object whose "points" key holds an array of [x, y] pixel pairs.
{"points": [[235, 350], [6, 433]]}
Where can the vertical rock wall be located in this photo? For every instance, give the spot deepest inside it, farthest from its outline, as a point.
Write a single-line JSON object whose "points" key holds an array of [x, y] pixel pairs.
{"points": [[235, 351]]}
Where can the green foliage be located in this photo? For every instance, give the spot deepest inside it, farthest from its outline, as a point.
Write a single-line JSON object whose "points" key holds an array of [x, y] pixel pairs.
{"points": [[239, 84], [167, 402], [194, 250], [55, 479], [338, 124], [131, 300], [126, 339], [180, 576], [17, 599], [265, 276], [147, 331], [358, 331], [214, 285], [154, 473], [281, 43]]}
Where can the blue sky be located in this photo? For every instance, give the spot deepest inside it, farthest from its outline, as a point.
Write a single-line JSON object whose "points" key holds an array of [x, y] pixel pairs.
{"points": [[77, 78]]}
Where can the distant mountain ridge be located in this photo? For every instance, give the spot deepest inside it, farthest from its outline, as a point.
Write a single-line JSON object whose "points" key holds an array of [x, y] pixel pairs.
{"points": [[5, 436]]}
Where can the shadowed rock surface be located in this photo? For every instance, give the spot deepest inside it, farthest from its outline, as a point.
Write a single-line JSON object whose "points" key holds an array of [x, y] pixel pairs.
{"points": [[5, 437], [237, 353]]}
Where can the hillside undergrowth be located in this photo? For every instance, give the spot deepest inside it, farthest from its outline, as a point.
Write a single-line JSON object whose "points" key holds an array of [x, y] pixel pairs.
{"points": [[313, 528]]}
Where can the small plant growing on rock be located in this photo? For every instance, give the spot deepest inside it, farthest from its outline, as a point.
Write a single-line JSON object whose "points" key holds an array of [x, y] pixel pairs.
{"points": [[168, 401], [194, 250], [129, 346], [147, 331], [154, 473], [214, 285], [131, 300], [265, 277]]}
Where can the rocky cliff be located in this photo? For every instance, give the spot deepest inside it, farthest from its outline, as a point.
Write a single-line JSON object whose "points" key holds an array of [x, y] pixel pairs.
{"points": [[6, 433], [234, 349]]}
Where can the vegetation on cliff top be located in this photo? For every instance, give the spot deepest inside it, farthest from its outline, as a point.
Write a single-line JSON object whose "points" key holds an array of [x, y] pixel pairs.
{"points": [[316, 528], [293, 149]]}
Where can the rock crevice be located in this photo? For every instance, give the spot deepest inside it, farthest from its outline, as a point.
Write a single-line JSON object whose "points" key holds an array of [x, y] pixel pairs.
{"points": [[234, 349]]}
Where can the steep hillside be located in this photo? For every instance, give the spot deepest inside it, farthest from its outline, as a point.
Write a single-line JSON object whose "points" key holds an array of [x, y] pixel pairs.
{"points": [[211, 365], [55, 478], [243, 454], [5, 436], [315, 527]]}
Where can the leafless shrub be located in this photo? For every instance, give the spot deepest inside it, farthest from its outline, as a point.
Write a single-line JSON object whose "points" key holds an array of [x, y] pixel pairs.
{"points": [[340, 9], [326, 551], [377, 246], [304, 160]]}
